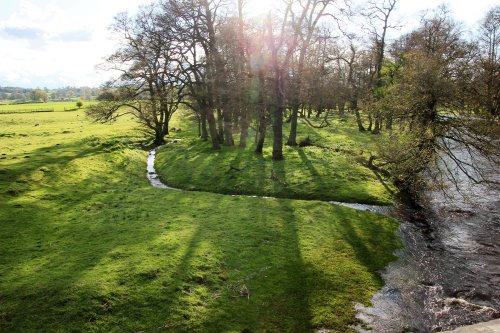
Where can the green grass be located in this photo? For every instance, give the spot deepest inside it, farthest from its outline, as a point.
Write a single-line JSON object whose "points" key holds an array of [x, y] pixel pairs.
{"points": [[30, 107], [87, 245], [337, 172]]}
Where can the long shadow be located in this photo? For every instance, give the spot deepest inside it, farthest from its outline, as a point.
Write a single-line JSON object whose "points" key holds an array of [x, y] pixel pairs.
{"points": [[199, 162], [312, 170], [235, 169], [278, 175], [298, 273], [261, 168], [370, 239], [381, 180], [50, 244], [268, 265]]}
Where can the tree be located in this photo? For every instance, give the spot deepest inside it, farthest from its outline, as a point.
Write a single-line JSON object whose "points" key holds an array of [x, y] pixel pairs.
{"points": [[351, 59], [433, 71], [304, 28], [378, 14], [282, 44], [79, 104], [148, 86], [38, 95], [486, 90], [194, 24]]}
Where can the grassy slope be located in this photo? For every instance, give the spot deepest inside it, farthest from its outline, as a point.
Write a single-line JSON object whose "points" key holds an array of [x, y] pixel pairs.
{"points": [[88, 245], [308, 173]]}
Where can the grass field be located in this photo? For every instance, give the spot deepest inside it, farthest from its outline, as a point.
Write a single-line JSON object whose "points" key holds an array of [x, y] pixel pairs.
{"points": [[87, 245], [33, 107], [335, 171]]}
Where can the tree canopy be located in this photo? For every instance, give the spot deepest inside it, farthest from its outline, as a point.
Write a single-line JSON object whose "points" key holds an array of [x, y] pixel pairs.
{"points": [[429, 87]]}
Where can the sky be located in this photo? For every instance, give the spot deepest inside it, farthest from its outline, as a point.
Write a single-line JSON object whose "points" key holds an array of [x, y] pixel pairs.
{"points": [[57, 43]]}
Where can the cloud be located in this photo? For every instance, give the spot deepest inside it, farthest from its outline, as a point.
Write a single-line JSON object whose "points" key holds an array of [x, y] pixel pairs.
{"points": [[74, 36], [57, 42], [36, 38], [21, 32]]}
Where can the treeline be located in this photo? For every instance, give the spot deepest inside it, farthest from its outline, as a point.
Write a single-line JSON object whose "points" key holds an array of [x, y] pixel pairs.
{"points": [[24, 95], [306, 60]]}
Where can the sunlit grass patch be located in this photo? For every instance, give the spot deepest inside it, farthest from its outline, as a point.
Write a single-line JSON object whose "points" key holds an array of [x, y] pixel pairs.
{"points": [[89, 246]]}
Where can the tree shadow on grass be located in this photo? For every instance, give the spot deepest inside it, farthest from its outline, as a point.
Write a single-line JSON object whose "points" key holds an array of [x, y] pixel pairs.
{"points": [[312, 169], [50, 245], [381, 180], [371, 238], [265, 275]]}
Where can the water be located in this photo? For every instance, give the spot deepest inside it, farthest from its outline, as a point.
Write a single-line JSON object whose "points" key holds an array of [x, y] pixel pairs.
{"points": [[448, 274], [153, 177], [386, 210]]}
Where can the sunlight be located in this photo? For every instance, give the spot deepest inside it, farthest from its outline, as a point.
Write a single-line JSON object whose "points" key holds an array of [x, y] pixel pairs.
{"points": [[260, 8]]}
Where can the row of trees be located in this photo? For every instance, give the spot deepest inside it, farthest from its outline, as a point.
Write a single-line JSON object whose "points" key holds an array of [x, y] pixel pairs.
{"points": [[427, 88], [59, 94]]}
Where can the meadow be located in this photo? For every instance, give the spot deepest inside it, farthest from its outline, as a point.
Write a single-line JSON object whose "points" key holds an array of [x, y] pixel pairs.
{"points": [[34, 107], [89, 246], [333, 168]]}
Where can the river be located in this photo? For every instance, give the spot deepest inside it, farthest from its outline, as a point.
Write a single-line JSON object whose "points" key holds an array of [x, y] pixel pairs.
{"points": [[448, 273]]}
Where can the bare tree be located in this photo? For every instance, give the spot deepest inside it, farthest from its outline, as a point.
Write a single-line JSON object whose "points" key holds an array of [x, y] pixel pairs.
{"points": [[304, 28], [195, 28], [378, 13], [282, 43], [147, 86], [487, 82]]}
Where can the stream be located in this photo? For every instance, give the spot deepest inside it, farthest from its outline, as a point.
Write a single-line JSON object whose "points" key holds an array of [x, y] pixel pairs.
{"points": [[448, 273]]}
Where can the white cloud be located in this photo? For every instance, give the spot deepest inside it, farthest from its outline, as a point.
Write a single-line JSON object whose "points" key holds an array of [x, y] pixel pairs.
{"points": [[55, 43]]}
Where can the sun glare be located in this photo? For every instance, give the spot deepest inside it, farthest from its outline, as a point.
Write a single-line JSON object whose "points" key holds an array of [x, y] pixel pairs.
{"points": [[256, 8]]}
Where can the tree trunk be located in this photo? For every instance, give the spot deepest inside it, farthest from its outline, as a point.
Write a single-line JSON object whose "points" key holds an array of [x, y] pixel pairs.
{"points": [[244, 123], [220, 123], [212, 126], [292, 138], [228, 127], [278, 116], [354, 108], [203, 121], [236, 117], [319, 111], [261, 110], [341, 109], [376, 126], [388, 124], [159, 136], [261, 132], [370, 121], [199, 126]]}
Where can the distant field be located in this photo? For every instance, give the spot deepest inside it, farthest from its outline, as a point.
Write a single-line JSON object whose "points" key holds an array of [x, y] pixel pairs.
{"points": [[41, 107]]}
